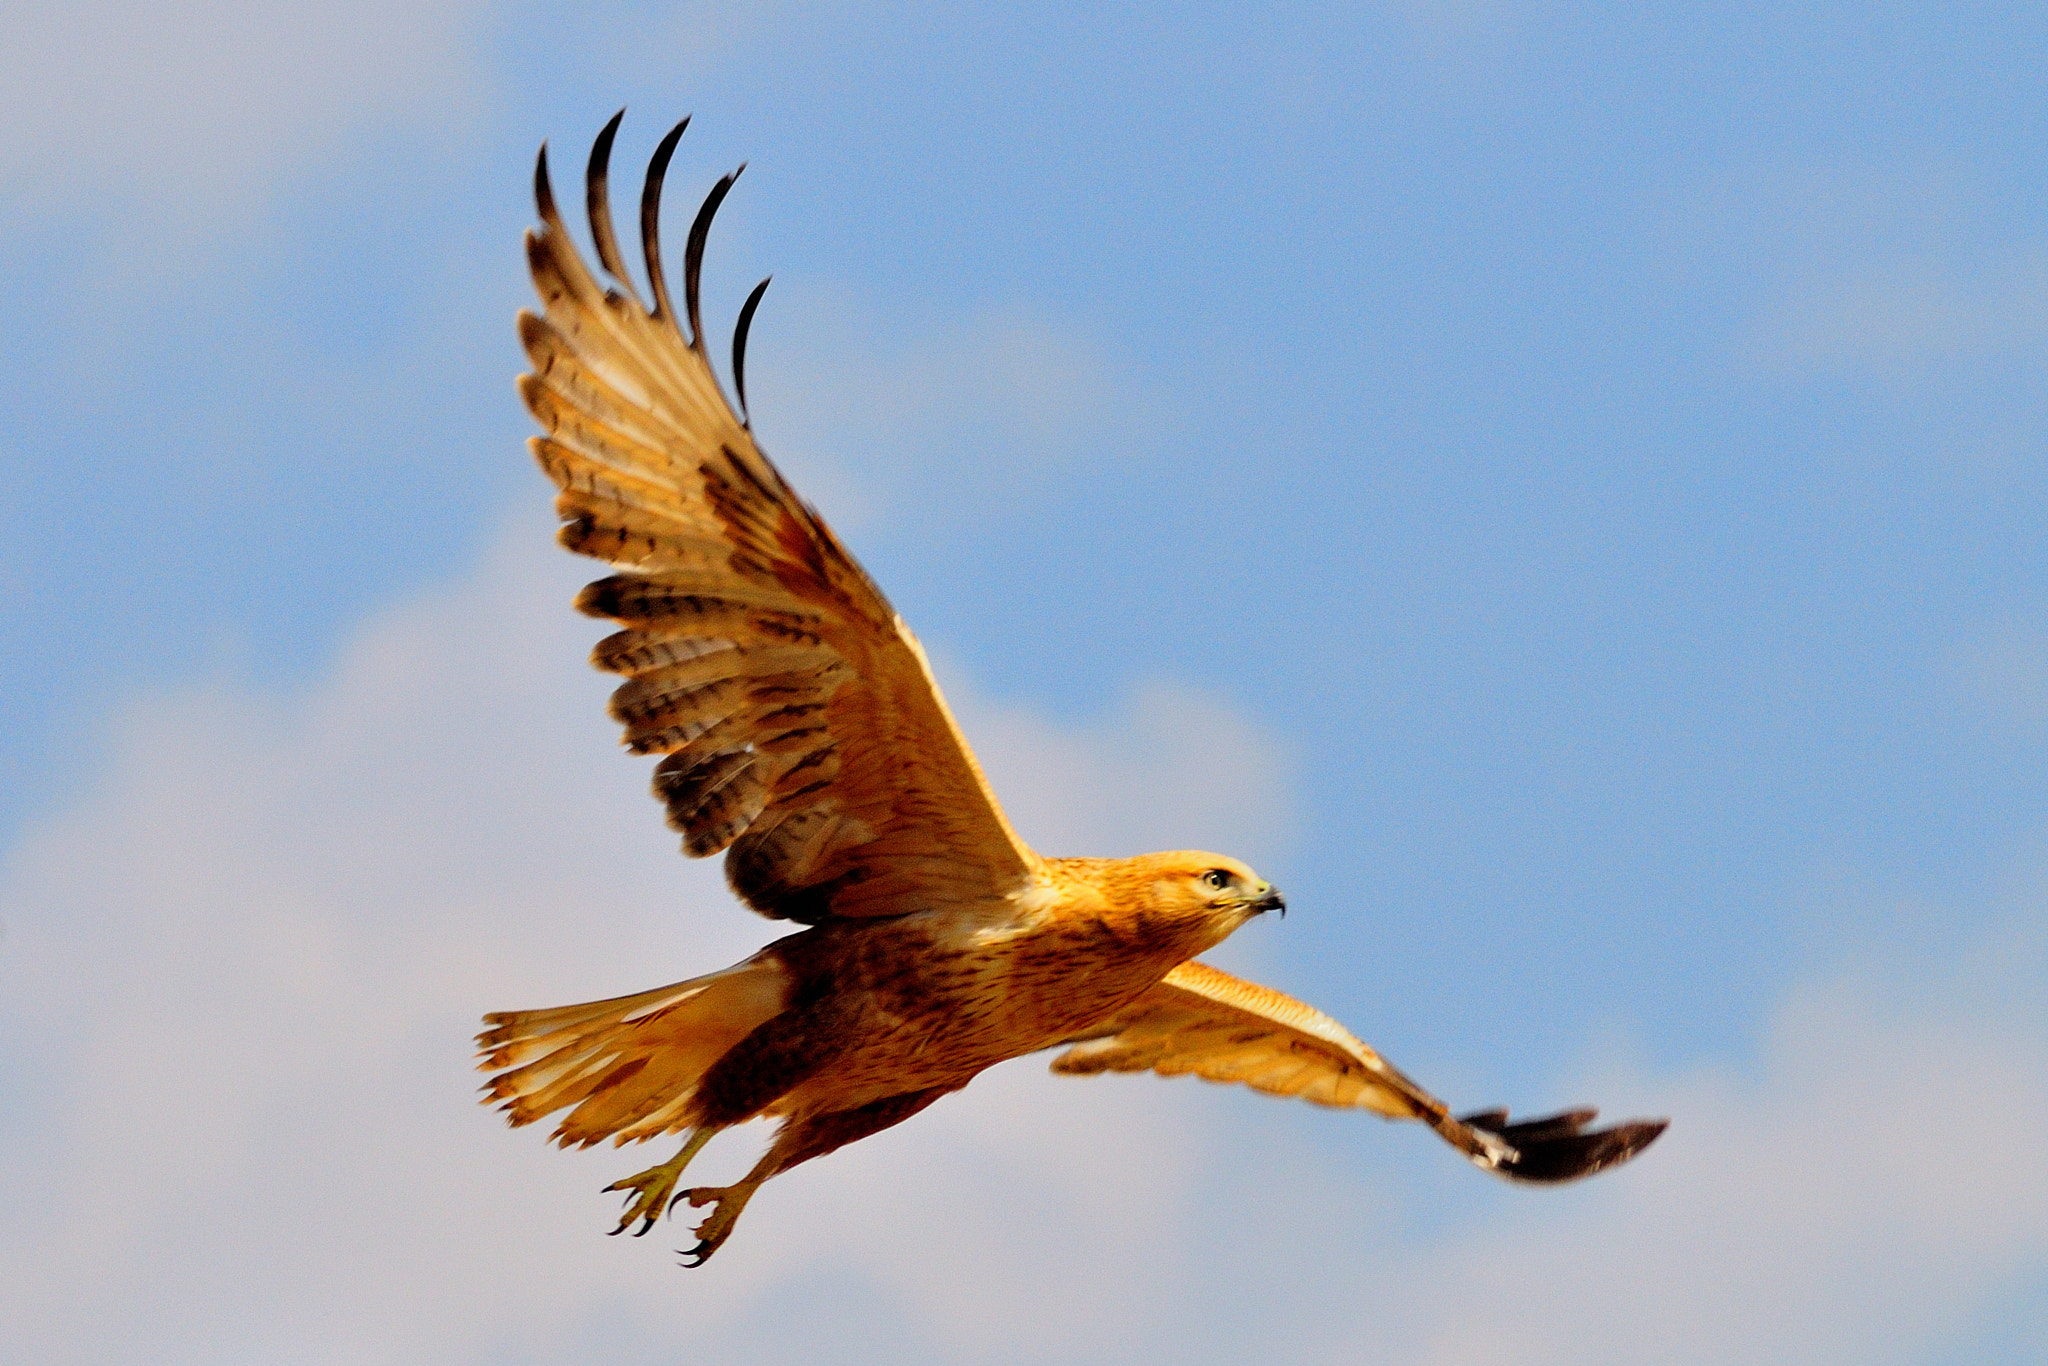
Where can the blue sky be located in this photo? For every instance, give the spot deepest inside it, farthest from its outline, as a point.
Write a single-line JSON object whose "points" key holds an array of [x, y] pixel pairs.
{"points": [[1561, 489]]}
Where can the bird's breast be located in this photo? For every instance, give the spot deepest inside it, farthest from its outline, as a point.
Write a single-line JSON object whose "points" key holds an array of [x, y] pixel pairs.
{"points": [[931, 1001]]}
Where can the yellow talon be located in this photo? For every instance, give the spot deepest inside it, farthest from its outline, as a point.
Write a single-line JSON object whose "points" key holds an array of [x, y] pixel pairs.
{"points": [[656, 1186], [712, 1233]]}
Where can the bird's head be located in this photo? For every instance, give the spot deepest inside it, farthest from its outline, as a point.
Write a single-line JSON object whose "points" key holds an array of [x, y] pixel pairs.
{"points": [[1198, 895]]}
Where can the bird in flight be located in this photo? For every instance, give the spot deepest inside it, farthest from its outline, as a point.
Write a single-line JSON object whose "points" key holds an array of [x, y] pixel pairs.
{"points": [[804, 737]]}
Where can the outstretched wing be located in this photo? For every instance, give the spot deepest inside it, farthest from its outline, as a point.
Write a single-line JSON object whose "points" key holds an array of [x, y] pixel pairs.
{"points": [[800, 720], [1221, 1028]]}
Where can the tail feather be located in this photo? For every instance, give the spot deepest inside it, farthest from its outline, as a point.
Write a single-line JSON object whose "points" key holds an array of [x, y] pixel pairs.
{"points": [[625, 1068]]}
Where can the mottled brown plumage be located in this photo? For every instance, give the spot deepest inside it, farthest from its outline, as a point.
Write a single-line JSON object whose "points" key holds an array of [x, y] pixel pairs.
{"points": [[804, 736]]}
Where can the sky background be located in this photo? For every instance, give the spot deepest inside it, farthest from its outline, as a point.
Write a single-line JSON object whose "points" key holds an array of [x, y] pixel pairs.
{"points": [[1560, 489]]}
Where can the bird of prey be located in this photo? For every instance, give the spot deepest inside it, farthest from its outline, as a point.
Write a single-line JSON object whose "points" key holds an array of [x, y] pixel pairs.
{"points": [[805, 738]]}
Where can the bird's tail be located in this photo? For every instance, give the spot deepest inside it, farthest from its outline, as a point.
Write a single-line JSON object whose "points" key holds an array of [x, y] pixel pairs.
{"points": [[630, 1065]]}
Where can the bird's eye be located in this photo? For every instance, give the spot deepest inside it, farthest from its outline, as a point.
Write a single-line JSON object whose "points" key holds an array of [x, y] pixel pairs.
{"points": [[1219, 878]]}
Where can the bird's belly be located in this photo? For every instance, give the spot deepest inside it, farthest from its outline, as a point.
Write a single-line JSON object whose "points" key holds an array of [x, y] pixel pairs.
{"points": [[962, 1012]]}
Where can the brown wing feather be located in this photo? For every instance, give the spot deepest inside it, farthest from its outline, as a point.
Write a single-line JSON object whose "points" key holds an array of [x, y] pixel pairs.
{"points": [[800, 721], [1221, 1028]]}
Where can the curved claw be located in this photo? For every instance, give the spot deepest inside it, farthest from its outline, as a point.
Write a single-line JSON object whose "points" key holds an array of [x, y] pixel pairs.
{"points": [[634, 1206], [626, 1220], [652, 1192], [726, 1203]]}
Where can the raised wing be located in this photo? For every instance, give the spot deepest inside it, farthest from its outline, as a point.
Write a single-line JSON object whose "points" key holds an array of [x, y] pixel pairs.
{"points": [[800, 720], [1221, 1028]]}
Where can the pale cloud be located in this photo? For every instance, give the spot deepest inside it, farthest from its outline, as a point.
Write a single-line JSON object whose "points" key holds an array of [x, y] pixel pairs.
{"points": [[1884, 272], [868, 410], [1172, 768], [241, 979], [189, 111], [244, 976], [1868, 1189]]}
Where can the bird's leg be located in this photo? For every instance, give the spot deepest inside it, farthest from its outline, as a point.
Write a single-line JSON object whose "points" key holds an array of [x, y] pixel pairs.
{"points": [[656, 1185], [800, 1141], [726, 1202]]}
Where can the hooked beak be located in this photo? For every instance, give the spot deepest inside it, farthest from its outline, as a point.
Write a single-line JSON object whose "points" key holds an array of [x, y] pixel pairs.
{"points": [[1271, 901]]}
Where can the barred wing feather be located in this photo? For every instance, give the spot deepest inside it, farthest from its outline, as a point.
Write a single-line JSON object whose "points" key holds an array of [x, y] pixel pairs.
{"points": [[800, 723]]}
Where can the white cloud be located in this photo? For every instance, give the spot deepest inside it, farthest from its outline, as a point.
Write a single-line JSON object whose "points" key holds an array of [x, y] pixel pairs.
{"points": [[1173, 768], [994, 405], [1884, 271], [189, 110], [245, 974], [239, 984], [1875, 1184]]}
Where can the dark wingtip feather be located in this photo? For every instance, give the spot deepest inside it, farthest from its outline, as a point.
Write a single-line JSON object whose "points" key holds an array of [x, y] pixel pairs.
{"points": [[739, 349], [1560, 1148], [600, 598], [597, 202], [693, 255], [543, 191], [650, 219]]}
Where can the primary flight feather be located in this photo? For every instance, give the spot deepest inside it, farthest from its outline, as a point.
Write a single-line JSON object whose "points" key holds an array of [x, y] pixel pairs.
{"points": [[805, 738]]}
